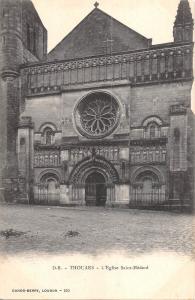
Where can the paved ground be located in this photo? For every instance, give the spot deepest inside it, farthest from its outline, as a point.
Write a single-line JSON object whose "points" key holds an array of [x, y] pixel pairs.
{"points": [[46, 230]]}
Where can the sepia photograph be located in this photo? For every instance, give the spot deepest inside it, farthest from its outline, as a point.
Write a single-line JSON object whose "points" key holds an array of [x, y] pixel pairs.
{"points": [[97, 149]]}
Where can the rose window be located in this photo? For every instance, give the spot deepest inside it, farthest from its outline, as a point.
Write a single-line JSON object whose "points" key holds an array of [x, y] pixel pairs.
{"points": [[97, 115]]}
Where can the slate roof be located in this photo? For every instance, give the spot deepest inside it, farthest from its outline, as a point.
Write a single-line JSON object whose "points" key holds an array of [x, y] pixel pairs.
{"points": [[98, 33]]}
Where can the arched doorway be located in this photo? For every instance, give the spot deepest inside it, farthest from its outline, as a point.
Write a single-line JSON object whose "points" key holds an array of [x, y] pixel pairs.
{"points": [[92, 181], [47, 191], [148, 181], [52, 190], [147, 188], [95, 189]]}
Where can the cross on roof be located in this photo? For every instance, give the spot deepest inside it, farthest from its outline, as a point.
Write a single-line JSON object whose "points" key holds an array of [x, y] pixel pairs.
{"points": [[96, 4]]}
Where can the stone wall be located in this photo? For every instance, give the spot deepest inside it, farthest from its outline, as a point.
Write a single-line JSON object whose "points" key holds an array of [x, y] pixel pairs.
{"points": [[59, 109], [157, 99]]}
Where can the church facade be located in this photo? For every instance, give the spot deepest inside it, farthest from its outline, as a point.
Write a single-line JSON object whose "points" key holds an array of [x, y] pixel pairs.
{"points": [[103, 119]]}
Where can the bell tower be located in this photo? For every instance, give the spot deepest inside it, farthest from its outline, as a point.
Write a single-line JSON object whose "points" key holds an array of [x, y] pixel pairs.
{"points": [[23, 39], [184, 24], [11, 57]]}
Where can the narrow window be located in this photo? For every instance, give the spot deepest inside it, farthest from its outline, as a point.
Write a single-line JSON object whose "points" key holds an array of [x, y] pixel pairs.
{"points": [[123, 170], [22, 144], [48, 136], [152, 131], [28, 36], [176, 149], [34, 41]]}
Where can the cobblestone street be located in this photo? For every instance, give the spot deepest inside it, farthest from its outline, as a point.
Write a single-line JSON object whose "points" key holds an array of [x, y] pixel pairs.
{"points": [[92, 230]]}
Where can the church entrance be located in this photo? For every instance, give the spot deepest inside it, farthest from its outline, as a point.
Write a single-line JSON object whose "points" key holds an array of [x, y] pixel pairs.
{"points": [[95, 189]]}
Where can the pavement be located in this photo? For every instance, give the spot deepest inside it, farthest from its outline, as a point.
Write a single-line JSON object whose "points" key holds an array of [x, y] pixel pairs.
{"points": [[93, 230]]}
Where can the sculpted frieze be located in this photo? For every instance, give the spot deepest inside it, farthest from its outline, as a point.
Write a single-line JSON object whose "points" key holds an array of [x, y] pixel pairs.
{"points": [[140, 155], [110, 153], [53, 67], [168, 63]]}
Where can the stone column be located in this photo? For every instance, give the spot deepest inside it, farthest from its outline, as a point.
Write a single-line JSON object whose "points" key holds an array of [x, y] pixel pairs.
{"points": [[25, 152], [178, 150]]}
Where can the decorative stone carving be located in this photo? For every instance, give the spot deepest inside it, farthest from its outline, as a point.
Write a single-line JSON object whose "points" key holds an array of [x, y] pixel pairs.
{"points": [[161, 66], [178, 109], [147, 155], [46, 159], [109, 152], [97, 115]]}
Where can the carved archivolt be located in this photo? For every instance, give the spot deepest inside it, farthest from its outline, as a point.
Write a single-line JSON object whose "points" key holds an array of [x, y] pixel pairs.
{"points": [[157, 173], [152, 119], [49, 173], [88, 165], [47, 125]]}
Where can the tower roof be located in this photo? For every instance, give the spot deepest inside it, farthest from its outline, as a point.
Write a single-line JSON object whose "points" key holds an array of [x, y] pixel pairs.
{"points": [[184, 14]]}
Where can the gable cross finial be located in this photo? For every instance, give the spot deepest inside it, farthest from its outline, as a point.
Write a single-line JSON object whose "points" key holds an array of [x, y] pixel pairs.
{"points": [[96, 4]]}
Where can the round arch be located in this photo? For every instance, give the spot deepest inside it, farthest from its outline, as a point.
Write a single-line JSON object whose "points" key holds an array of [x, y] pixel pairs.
{"points": [[93, 170], [157, 173], [152, 119], [47, 124], [89, 165], [49, 173]]}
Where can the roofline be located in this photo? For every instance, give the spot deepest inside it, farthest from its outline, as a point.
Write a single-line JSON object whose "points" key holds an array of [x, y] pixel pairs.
{"points": [[124, 25], [37, 15], [143, 37]]}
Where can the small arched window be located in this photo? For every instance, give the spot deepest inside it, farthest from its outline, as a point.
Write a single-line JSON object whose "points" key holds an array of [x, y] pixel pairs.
{"points": [[47, 131], [48, 134], [152, 131], [152, 127]]}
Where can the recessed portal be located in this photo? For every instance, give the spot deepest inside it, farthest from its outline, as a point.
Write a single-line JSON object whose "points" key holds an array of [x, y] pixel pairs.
{"points": [[95, 189]]}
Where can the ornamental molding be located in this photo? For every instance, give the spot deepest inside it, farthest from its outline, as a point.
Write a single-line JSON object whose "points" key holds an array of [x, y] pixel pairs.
{"points": [[47, 124], [49, 171], [90, 164], [45, 68], [151, 169], [152, 119], [168, 64]]}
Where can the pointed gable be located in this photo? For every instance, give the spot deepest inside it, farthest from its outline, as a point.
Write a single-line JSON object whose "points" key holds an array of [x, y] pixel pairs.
{"points": [[97, 34]]}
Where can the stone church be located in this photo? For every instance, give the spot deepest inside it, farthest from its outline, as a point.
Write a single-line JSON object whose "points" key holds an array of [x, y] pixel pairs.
{"points": [[104, 119]]}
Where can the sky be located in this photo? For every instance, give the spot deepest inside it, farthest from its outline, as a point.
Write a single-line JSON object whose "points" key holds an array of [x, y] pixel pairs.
{"points": [[151, 18]]}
